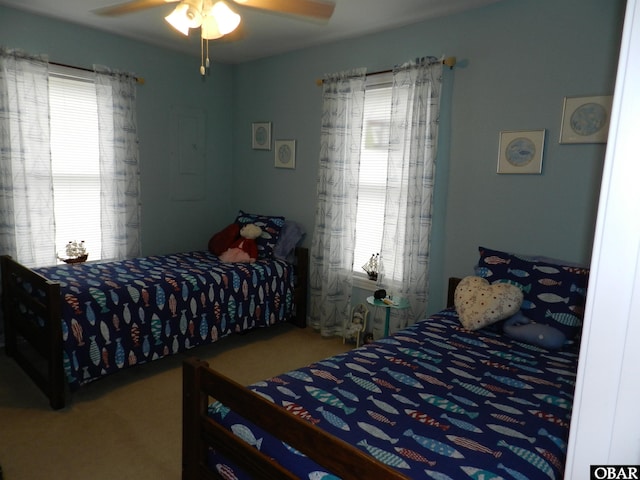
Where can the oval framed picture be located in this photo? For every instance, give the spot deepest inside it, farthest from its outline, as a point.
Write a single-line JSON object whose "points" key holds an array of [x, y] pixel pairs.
{"points": [[285, 154], [261, 136]]}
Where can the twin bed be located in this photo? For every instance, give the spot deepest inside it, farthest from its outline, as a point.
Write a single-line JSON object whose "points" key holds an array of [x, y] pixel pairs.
{"points": [[435, 400], [69, 325]]}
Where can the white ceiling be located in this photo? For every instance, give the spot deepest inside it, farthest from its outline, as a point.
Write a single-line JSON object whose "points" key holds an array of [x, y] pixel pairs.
{"points": [[265, 33]]}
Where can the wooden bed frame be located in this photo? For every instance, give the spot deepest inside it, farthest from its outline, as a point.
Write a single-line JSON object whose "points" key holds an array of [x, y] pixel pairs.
{"points": [[38, 349], [199, 431], [200, 383]]}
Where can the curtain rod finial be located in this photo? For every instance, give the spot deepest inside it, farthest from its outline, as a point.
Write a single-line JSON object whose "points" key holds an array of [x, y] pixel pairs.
{"points": [[449, 62]]}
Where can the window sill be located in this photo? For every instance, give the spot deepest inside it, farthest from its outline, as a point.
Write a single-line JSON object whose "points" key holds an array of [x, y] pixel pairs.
{"points": [[362, 282]]}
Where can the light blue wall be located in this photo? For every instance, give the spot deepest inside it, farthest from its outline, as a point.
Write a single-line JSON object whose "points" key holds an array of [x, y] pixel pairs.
{"points": [[517, 60], [172, 83]]}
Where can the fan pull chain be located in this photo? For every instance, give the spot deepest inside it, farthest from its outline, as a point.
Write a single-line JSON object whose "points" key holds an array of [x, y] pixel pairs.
{"points": [[202, 68], [207, 64], [204, 62]]}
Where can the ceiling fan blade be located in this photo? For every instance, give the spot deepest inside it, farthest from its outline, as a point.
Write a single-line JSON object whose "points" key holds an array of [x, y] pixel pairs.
{"points": [[130, 7], [321, 9]]}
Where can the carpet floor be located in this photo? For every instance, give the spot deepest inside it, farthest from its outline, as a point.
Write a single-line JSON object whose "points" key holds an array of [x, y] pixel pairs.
{"points": [[128, 426]]}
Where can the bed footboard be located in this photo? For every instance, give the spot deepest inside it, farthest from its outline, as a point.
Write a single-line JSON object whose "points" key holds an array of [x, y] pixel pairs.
{"points": [[33, 329], [200, 383]]}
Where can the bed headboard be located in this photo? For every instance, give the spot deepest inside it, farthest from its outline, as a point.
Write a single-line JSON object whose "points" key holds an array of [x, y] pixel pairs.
{"points": [[451, 291]]}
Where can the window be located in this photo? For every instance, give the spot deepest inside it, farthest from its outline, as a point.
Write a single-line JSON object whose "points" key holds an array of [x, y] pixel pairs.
{"points": [[395, 187], [80, 128], [75, 159], [373, 169]]}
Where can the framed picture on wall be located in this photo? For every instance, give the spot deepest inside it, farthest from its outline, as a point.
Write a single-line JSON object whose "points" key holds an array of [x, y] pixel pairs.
{"points": [[586, 119], [521, 151], [261, 135], [285, 151]]}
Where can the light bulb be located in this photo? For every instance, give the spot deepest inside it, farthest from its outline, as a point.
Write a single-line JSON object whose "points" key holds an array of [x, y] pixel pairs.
{"points": [[227, 19], [178, 18]]}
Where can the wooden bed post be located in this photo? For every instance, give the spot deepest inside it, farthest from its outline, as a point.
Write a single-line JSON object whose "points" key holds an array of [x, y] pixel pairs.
{"points": [[301, 287], [9, 332], [451, 291], [194, 405], [55, 361]]}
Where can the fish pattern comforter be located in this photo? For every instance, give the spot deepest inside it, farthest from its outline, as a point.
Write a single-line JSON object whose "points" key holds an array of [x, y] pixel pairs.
{"points": [[119, 314], [433, 401]]}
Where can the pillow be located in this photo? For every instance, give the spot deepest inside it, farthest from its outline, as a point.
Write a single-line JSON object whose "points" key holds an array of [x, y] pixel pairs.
{"points": [[290, 236], [521, 328], [270, 226], [224, 238], [480, 304], [554, 293]]}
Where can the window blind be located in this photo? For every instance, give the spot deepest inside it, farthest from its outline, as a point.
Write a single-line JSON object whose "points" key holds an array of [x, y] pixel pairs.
{"points": [[75, 160], [373, 169]]}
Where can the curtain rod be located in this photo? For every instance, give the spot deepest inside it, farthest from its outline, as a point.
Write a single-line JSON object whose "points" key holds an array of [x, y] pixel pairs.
{"points": [[139, 80], [448, 61]]}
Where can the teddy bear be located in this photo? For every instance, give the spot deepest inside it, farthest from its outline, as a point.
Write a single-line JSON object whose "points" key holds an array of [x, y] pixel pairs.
{"points": [[244, 249]]}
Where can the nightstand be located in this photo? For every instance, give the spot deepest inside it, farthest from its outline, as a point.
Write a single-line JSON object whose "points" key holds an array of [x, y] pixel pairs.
{"points": [[400, 304]]}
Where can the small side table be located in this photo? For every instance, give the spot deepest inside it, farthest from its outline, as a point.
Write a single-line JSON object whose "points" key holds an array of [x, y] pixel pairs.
{"points": [[399, 304]]}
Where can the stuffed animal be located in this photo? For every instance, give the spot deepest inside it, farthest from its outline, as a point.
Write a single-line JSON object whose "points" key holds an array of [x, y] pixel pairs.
{"points": [[244, 249], [222, 240]]}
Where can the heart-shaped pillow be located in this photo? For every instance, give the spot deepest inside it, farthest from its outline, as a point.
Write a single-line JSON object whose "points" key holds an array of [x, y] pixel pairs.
{"points": [[479, 303]]}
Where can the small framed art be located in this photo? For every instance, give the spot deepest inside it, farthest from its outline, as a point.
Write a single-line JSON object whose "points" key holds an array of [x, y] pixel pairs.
{"points": [[285, 154], [585, 119], [261, 136], [521, 151]]}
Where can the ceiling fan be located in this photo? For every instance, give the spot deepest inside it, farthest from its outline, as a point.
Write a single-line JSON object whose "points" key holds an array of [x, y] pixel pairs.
{"points": [[321, 9], [216, 18]]}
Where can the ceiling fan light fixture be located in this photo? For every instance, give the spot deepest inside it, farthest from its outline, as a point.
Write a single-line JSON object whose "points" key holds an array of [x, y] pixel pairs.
{"points": [[209, 29], [178, 19], [227, 19], [186, 15]]}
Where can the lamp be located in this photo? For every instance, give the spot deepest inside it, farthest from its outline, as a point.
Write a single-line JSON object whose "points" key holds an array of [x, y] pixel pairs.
{"points": [[215, 20]]}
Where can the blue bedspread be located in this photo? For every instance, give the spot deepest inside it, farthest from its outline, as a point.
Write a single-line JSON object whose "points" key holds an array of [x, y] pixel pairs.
{"points": [[119, 314], [433, 401]]}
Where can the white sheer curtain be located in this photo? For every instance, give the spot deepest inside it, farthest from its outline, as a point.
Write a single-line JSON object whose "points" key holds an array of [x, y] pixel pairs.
{"points": [[410, 179], [332, 245], [27, 230], [119, 164]]}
